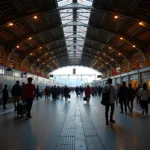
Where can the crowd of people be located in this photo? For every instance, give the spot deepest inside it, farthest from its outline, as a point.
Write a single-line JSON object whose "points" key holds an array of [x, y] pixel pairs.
{"points": [[123, 95], [26, 92], [110, 96]]}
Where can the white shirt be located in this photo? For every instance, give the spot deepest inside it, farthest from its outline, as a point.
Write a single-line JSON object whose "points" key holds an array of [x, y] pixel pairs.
{"points": [[144, 94]]}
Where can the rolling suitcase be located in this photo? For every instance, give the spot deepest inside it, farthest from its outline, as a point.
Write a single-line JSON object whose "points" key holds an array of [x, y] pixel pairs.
{"points": [[21, 110]]}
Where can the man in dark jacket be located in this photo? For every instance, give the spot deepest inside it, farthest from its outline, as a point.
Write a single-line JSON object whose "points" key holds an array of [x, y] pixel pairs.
{"points": [[5, 96], [66, 92], [123, 95], [131, 95], [16, 94]]}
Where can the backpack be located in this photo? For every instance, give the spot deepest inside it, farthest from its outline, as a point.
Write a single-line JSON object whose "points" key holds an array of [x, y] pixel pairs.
{"points": [[105, 96]]}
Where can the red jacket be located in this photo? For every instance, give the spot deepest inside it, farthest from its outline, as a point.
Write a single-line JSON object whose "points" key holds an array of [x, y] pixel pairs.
{"points": [[87, 92], [29, 91]]}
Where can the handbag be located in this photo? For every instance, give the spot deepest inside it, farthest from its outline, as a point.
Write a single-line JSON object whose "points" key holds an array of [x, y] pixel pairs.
{"points": [[85, 98]]}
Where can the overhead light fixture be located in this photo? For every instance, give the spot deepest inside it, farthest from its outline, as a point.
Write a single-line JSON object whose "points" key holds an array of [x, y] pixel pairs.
{"points": [[31, 54], [141, 23], [121, 38], [116, 17], [43, 63], [10, 24], [40, 47], [17, 46], [119, 53], [110, 48], [30, 38], [112, 59], [35, 17], [38, 60], [133, 46]]}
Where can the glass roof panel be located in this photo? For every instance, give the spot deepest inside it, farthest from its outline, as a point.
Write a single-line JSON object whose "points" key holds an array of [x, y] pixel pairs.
{"points": [[74, 23]]}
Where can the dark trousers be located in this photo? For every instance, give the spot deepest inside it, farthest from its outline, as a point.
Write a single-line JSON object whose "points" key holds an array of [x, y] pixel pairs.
{"points": [[123, 102], [46, 97], [144, 105], [112, 106], [29, 103], [4, 102], [130, 104]]}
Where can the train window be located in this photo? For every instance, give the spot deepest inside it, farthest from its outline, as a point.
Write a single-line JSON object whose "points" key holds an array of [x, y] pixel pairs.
{"points": [[1, 71], [16, 74]]}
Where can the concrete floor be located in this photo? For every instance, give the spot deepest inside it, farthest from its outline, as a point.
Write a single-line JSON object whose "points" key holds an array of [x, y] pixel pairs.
{"points": [[73, 125]]}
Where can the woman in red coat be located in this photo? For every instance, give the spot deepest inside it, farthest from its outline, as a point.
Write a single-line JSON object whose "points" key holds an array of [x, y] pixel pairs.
{"points": [[88, 93]]}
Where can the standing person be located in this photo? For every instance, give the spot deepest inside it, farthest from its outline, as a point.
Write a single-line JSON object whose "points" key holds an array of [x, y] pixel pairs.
{"points": [[29, 95], [62, 92], [5, 96], [110, 91], [54, 92], [137, 94], [16, 93], [123, 96], [46, 93], [77, 90], [88, 93], [144, 94], [66, 92], [131, 95], [37, 92]]}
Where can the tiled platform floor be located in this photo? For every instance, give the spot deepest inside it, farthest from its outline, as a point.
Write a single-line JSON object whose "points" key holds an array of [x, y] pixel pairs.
{"points": [[73, 125]]}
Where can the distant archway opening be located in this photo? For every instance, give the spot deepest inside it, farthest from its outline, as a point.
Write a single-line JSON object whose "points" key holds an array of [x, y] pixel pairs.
{"points": [[75, 75]]}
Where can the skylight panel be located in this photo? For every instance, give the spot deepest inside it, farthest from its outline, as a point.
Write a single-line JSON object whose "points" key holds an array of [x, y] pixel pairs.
{"points": [[64, 2], [74, 23], [85, 2]]}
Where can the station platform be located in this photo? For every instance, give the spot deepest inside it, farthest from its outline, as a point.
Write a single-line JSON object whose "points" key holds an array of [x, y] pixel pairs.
{"points": [[73, 125]]}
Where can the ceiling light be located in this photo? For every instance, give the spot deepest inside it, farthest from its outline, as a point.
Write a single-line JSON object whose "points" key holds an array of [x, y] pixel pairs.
{"points": [[17, 46], [30, 38], [31, 54], [38, 60], [40, 47], [119, 53], [141, 23], [43, 63], [35, 17], [10, 24], [116, 17], [121, 38], [134, 46], [112, 59], [110, 48]]}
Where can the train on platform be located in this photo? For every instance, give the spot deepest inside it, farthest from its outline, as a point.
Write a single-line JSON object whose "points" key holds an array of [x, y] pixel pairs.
{"points": [[10, 76], [135, 77]]}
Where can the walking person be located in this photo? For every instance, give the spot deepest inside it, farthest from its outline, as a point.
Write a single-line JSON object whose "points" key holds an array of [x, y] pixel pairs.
{"points": [[37, 92], [88, 93], [144, 94], [5, 96], [110, 94], [29, 95], [46, 93], [66, 93], [123, 96], [131, 95], [16, 94], [137, 94]]}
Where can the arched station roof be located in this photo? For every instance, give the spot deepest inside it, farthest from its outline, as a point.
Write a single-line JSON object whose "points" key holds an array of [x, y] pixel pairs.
{"points": [[48, 34]]}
